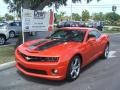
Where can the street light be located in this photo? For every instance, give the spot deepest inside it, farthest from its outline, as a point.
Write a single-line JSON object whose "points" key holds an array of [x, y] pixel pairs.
{"points": [[114, 8]]}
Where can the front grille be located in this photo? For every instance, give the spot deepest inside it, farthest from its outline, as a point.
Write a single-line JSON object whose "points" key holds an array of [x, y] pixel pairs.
{"points": [[38, 59], [33, 70]]}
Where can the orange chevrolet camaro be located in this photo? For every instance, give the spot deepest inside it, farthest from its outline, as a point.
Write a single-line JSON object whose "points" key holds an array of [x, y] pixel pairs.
{"points": [[63, 54]]}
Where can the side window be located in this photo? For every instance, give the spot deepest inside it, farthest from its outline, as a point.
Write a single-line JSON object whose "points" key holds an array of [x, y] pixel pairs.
{"points": [[17, 24], [95, 33], [13, 24]]}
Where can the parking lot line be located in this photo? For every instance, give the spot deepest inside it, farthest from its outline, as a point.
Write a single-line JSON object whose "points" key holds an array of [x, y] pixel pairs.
{"points": [[112, 54]]}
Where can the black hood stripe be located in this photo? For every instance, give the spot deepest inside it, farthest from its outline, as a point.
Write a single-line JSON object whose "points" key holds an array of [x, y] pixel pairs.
{"points": [[49, 44], [38, 43]]}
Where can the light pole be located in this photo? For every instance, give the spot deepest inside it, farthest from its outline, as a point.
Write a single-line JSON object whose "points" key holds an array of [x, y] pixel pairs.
{"points": [[114, 8], [71, 10]]}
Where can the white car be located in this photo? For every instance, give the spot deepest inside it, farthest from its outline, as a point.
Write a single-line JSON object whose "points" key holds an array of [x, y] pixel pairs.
{"points": [[14, 28], [4, 34]]}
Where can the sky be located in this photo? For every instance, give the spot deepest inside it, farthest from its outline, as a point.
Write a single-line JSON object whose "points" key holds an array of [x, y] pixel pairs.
{"points": [[3, 8], [93, 7]]}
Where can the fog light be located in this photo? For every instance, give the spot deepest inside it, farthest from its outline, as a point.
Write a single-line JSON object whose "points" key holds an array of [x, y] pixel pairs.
{"points": [[54, 71]]}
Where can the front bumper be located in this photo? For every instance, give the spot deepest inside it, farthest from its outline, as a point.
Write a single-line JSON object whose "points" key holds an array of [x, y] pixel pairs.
{"points": [[41, 69]]}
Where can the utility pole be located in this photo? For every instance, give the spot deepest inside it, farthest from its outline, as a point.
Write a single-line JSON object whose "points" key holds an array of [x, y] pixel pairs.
{"points": [[114, 8], [71, 10]]}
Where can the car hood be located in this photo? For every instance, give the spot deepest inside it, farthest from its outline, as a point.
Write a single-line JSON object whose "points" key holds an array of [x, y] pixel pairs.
{"points": [[48, 47]]}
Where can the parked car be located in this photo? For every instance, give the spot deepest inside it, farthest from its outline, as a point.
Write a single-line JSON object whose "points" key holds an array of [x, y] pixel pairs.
{"points": [[98, 25], [63, 54], [61, 24], [4, 33], [15, 28], [70, 24]]}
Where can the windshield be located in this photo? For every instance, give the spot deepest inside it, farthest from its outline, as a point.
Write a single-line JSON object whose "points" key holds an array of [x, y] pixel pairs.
{"points": [[71, 35]]}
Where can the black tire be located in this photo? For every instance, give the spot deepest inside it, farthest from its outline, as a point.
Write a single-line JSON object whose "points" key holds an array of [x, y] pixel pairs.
{"points": [[12, 34], [73, 71], [106, 52], [2, 40]]}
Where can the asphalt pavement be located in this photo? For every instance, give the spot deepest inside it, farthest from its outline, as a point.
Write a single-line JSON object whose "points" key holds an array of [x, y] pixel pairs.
{"points": [[99, 75]]}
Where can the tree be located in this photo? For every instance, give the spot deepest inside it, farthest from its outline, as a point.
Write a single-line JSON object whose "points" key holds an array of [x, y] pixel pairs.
{"points": [[1, 18], [8, 17], [76, 16], [98, 16], [15, 5], [59, 16], [112, 17], [85, 15]]}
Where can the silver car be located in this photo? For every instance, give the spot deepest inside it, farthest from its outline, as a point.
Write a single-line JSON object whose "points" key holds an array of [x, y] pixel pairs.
{"points": [[4, 33], [9, 30], [14, 28]]}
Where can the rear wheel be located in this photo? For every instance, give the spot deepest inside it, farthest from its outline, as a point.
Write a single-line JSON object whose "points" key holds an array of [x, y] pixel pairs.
{"points": [[74, 68], [2, 40], [12, 34], [106, 52]]}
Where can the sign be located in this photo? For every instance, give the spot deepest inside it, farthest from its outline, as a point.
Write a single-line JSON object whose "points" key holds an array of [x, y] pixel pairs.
{"points": [[33, 20]]}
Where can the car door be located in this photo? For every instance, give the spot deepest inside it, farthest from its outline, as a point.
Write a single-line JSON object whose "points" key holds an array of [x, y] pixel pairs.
{"points": [[87, 50], [94, 44], [97, 43], [12, 27]]}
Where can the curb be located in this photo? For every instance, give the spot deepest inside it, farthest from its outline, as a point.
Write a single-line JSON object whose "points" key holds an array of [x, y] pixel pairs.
{"points": [[7, 65], [7, 45]]}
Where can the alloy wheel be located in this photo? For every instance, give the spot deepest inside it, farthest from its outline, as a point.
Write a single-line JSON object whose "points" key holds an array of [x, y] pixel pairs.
{"points": [[74, 68], [106, 51]]}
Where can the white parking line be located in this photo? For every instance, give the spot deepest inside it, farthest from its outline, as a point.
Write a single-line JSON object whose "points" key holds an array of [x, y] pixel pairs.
{"points": [[111, 54]]}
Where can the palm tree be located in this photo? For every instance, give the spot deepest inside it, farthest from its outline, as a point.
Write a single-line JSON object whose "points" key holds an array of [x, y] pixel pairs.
{"points": [[36, 4]]}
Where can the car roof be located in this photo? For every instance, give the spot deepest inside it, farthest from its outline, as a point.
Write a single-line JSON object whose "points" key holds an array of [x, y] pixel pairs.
{"points": [[77, 28]]}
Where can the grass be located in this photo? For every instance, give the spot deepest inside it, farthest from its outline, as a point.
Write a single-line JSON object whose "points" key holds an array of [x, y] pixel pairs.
{"points": [[6, 54], [111, 30]]}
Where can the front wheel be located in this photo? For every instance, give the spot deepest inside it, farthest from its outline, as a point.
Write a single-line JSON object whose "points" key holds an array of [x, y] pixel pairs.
{"points": [[74, 68], [106, 52], [2, 40]]}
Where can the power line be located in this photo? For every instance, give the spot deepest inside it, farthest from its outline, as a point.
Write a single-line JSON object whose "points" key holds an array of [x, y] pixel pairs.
{"points": [[91, 6], [100, 6], [97, 5]]}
